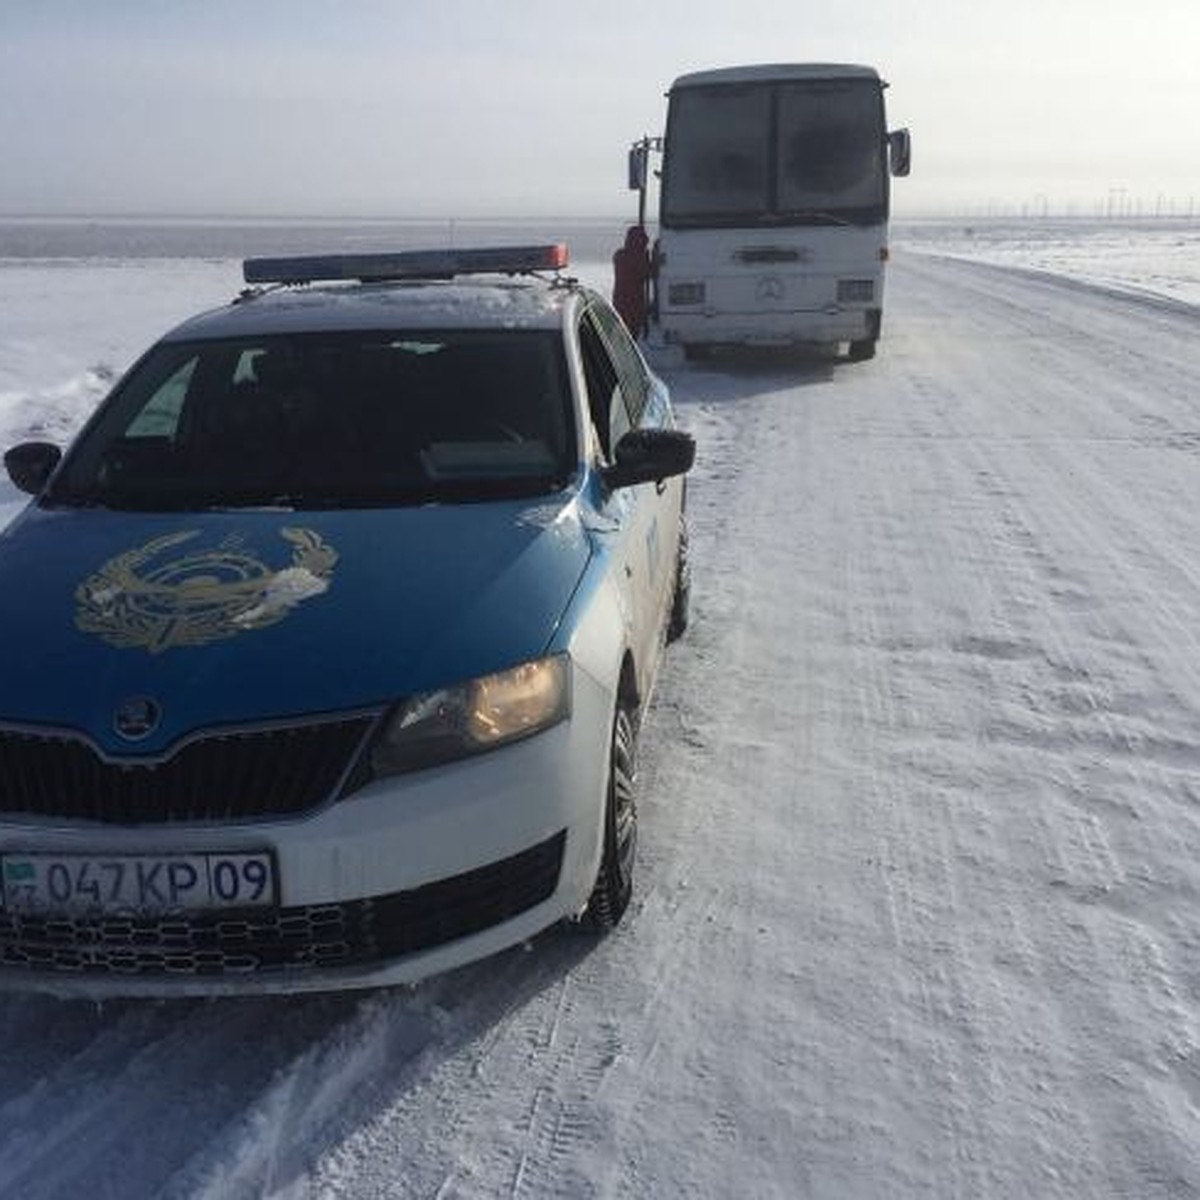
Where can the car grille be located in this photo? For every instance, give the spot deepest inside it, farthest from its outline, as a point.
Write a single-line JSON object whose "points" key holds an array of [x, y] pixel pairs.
{"points": [[286, 940], [226, 775]]}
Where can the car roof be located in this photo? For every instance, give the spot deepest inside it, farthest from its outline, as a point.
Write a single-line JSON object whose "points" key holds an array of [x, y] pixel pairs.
{"points": [[470, 303]]}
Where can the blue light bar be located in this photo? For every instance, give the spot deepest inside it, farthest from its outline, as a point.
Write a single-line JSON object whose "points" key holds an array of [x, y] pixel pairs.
{"points": [[409, 264]]}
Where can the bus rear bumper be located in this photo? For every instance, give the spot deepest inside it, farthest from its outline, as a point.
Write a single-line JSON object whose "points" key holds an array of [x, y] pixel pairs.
{"points": [[824, 327]]}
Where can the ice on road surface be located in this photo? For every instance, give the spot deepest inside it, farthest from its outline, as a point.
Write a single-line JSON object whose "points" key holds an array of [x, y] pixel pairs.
{"points": [[918, 903]]}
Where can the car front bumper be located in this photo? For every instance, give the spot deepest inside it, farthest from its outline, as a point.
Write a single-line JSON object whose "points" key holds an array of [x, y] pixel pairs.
{"points": [[405, 878]]}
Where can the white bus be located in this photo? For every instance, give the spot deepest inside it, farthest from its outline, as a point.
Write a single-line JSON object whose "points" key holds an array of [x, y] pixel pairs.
{"points": [[774, 207]]}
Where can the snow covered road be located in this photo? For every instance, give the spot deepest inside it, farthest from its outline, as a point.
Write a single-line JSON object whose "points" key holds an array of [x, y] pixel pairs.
{"points": [[919, 906]]}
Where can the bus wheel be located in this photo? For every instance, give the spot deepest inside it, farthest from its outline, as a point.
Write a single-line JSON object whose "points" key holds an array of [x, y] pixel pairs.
{"points": [[695, 351], [864, 348]]}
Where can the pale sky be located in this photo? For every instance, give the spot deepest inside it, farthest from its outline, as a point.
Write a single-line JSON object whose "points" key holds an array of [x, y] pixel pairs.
{"points": [[526, 107]]}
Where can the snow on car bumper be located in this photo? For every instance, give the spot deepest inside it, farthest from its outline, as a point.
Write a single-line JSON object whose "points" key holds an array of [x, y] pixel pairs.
{"points": [[410, 876]]}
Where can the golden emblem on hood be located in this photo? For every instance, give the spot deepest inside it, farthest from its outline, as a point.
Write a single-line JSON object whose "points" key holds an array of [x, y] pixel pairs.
{"points": [[147, 598]]}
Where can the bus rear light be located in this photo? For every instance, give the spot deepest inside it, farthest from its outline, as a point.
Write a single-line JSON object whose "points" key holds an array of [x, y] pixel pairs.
{"points": [[884, 254], [684, 294], [855, 291]]}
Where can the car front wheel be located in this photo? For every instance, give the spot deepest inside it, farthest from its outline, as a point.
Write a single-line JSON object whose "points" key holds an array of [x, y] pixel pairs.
{"points": [[614, 882]]}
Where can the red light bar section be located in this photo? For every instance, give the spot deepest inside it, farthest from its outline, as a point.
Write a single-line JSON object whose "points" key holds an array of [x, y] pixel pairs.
{"points": [[408, 264]]}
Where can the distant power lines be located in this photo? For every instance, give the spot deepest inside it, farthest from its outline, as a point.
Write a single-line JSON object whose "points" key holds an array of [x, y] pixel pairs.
{"points": [[1117, 203]]}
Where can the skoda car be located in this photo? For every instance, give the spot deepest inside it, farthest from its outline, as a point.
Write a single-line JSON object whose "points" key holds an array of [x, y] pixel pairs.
{"points": [[327, 640]]}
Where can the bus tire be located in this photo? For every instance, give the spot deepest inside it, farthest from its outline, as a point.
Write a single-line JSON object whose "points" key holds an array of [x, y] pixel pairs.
{"points": [[864, 348]]}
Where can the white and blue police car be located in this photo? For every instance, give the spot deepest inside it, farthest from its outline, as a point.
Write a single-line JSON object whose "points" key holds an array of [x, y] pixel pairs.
{"points": [[326, 642]]}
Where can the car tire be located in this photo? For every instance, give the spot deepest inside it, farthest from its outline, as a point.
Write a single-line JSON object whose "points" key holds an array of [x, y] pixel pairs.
{"points": [[697, 351], [861, 351], [677, 620], [614, 881]]}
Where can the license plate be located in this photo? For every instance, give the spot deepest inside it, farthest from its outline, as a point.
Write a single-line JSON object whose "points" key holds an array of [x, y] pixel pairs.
{"points": [[135, 883]]}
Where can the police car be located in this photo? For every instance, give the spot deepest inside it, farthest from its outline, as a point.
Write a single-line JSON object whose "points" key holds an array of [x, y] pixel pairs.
{"points": [[326, 642]]}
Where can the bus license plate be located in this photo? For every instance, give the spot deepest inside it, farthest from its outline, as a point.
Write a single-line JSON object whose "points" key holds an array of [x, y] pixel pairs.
{"points": [[135, 883]]}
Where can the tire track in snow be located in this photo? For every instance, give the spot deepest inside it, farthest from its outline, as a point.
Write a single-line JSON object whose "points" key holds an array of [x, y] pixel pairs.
{"points": [[1067, 709], [935, 1019], [1147, 738], [83, 1124]]}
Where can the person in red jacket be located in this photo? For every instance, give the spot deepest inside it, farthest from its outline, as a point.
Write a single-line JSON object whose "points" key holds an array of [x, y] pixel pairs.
{"points": [[631, 280]]}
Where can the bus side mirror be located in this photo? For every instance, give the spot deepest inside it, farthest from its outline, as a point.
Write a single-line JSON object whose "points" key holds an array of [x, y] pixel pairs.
{"points": [[638, 161], [900, 151]]}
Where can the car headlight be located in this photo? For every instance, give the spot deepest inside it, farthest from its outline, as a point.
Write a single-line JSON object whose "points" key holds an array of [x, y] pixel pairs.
{"points": [[469, 718]]}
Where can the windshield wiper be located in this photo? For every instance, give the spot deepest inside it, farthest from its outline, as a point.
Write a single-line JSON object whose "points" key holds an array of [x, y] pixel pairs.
{"points": [[495, 487], [759, 219], [467, 490], [817, 216], [79, 497]]}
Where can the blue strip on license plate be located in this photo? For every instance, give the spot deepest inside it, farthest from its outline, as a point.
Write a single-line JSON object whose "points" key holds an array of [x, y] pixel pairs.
{"points": [[135, 883]]}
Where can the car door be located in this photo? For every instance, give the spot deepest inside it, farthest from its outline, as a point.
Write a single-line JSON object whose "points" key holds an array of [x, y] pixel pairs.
{"points": [[624, 397]]}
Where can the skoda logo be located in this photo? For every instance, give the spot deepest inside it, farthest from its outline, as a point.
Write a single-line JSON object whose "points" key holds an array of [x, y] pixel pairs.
{"points": [[137, 718]]}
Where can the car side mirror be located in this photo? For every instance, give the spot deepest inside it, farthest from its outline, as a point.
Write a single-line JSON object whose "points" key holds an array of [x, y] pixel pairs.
{"points": [[900, 151], [30, 465], [646, 455]]}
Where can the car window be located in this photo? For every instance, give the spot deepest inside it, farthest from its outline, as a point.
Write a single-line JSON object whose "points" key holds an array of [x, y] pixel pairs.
{"points": [[333, 419], [631, 370], [610, 417], [159, 416]]}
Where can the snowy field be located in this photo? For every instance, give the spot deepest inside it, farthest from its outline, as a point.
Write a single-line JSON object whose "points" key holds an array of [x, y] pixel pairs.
{"points": [[1159, 258], [918, 911]]}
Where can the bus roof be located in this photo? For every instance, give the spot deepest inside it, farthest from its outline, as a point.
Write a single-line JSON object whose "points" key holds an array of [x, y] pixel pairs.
{"points": [[775, 72]]}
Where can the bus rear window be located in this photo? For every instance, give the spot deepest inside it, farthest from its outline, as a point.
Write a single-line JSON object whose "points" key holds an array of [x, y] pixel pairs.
{"points": [[829, 146], [719, 141], [768, 152]]}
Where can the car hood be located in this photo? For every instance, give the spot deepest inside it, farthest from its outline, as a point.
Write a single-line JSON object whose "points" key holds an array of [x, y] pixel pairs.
{"points": [[237, 616]]}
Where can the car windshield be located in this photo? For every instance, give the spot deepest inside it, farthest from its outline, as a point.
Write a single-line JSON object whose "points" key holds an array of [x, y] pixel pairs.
{"points": [[329, 420]]}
